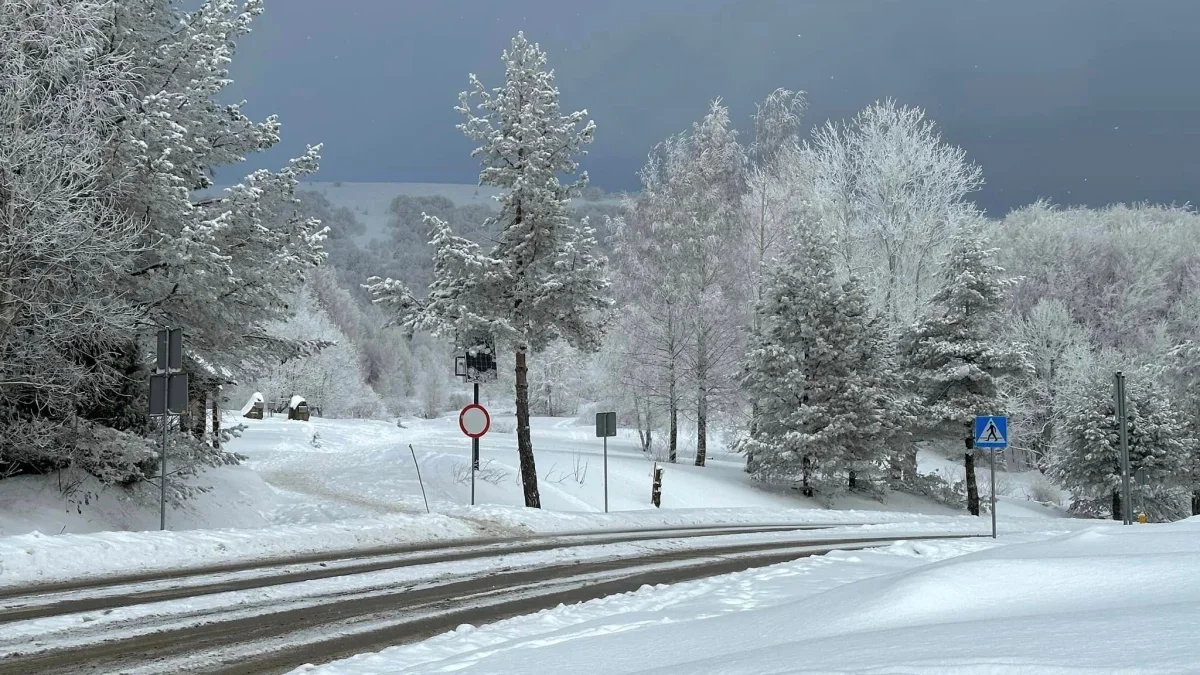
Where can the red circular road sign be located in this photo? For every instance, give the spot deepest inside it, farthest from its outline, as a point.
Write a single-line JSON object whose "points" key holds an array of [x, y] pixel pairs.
{"points": [[474, 420]]}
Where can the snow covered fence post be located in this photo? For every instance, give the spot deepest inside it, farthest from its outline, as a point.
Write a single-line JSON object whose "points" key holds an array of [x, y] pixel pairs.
{"points": [[656, 489]]}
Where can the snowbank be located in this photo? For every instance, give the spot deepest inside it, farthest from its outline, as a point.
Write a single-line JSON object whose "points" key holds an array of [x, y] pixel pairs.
{"points": [[553, 522], [38, 558], [1040, 604], [238, 498]]}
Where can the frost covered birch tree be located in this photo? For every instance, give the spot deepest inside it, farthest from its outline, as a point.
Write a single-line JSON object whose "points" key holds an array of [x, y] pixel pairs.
{"points": [[541, 281], [695, 188], [653, 320], [893, 192], [1051, 339]]}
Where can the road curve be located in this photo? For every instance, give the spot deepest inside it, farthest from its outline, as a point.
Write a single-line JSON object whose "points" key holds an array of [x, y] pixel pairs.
{"points": [[230, 640], [31, 602]]}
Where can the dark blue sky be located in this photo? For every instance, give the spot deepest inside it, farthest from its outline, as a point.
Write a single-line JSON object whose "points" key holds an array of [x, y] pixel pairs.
{"points": [[1080, 101]]}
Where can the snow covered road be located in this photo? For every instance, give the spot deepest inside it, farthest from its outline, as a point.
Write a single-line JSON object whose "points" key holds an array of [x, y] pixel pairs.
{"points": [[252, 621], [1092, 597]]}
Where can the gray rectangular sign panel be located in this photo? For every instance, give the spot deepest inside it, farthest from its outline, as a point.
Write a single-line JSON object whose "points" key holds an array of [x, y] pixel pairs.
{"points": [[161, 363], [158, 384], [178, 394], [606, 424], [175, 350]]}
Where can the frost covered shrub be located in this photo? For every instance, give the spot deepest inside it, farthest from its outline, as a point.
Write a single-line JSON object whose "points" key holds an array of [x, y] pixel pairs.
{"points": [[1043, 491], [938, 488], [503, 426], [457, 400]]}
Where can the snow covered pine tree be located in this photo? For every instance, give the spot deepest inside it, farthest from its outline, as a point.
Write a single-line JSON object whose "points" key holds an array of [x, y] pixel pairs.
{"points": [[63, 242], [140, 78], [952, 354], [1160, 444], [817, 375], [541, 281]]}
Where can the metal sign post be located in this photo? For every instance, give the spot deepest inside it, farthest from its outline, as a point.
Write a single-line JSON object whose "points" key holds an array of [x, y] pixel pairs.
{"points": [[1123, 435], [168, 396], [476, 366], [991, 434], [606, 425], [475, 450], [474, 421]]}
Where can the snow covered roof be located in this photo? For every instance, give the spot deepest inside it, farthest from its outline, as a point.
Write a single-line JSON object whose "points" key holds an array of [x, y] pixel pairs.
{"points": [[256, 398]]}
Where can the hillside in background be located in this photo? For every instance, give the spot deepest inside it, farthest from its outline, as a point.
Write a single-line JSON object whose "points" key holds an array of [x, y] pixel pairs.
{"points": [[371, 202]]}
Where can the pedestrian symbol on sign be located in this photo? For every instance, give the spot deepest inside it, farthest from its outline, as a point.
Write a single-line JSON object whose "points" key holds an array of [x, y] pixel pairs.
{"points": [[991, 435]]}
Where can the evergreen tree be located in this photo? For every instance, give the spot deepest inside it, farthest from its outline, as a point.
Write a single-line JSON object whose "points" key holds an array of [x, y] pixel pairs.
{"points": [[121, 96], [1088, 461], [953, 357], [64, 243], [1183, 374], [541, 281], [220, 266], [817, 375]]}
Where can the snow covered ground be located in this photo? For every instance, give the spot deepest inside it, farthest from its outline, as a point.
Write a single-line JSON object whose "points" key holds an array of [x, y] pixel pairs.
{"points": [[1095, 598], [335, 485], [365, 468]]}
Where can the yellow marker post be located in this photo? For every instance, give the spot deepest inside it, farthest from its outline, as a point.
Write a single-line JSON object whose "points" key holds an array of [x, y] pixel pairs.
{"points": [[1142, 518]]}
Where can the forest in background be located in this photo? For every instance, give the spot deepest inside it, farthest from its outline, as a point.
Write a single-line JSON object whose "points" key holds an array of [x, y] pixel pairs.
{"points": [[823, 298]]}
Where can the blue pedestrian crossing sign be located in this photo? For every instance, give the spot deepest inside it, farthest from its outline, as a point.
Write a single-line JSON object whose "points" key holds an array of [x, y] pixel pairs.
{"points": [[991, 432]]}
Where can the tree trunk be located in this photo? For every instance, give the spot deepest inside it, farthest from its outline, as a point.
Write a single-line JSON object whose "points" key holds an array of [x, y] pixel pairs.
{"points": [[1196, 502], [648, 441], [673, 437], [524, 442], [701, 398], [853, 482], [1117, 512], [895, 469], [216, 421], [672, 403], [972, 486], [806, 469], [196, 412]]}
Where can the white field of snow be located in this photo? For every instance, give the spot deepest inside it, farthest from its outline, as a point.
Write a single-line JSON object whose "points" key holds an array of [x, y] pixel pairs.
{"points": [[1099, 599], [336, 485]]}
